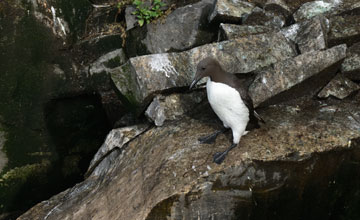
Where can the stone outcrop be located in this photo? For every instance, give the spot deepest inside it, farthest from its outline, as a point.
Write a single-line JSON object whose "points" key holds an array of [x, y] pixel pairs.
{"points": [[305, 74], [167, 173], [141, 77]]}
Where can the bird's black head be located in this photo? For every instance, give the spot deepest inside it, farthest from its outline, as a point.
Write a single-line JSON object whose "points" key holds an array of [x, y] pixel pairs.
{"points": [[206, 67]]}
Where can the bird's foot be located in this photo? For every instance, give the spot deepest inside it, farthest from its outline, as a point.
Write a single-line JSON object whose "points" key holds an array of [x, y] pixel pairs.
{"points": [[219, 157], [210, 139]]}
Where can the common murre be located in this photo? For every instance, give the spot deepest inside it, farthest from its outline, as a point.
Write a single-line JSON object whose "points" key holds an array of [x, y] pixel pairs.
{"points": [[229, 99]]}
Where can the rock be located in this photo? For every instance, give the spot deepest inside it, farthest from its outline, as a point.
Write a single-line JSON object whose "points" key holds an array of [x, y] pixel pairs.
{"points": [[183, 29], [344, 29], [231, 11], [116, 139], [95, 47], [3, 158], [271, 19], [294, 77], [339, 87], [314, 8], [231, 31], [309, 35], [141, 77], [172, 107], [304, 151], [107, 62], [130, 18], [351, 65]]}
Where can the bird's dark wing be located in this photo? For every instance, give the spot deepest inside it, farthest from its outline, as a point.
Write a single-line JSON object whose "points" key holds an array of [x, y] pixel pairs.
{"points": [[242, 87]]}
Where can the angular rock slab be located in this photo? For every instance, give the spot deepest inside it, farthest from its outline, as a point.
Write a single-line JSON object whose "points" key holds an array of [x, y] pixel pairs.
{"points": [[173, 107], [271, 19], [232, 31], [309, 35], [230, 10], [116, 139], [183, 29], [305, 73], [314, 8], [142, 76], [302, 146], [351, 65], [339, 87], [344, 29], [108, 61]]}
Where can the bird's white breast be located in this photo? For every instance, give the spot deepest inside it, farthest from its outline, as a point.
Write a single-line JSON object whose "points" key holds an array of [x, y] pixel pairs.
{"points": [[228, 106]]}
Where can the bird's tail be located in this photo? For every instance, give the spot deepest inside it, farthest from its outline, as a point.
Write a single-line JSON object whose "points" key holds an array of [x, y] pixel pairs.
{"points": [[259, 117]]}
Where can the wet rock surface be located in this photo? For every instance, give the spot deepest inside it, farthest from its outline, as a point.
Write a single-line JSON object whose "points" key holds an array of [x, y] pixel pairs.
{"points": [[322, 65], [178, 174]]}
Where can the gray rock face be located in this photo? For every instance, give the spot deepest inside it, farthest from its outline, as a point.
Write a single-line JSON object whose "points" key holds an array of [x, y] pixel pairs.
{"points": [[116, 139], [271, 19], [166, 173], [231, 11], [314, 8], [184, 28], [309, 35], [231, 31], [172, 107], [143, 76], [339, 87], [344, 29], [107, 62], [351, 65], [98, 46], [305, 73]]}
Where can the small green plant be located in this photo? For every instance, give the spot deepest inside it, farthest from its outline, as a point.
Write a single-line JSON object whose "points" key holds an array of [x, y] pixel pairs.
{"points": [[147, 13]]}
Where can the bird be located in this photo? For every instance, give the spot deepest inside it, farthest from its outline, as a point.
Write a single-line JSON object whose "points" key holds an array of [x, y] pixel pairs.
{"points": [[230, 100]]}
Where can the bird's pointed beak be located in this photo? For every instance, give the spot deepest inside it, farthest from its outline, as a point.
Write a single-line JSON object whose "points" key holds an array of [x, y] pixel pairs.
{"points": [[196, 79]]}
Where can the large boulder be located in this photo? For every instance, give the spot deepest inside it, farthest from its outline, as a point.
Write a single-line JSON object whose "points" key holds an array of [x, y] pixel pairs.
{"points": [[294, 77], [304, 151], [141, 77], [186, 27]]}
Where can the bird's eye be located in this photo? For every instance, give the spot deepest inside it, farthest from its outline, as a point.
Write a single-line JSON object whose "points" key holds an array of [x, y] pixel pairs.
{"points": [[202, 68]]}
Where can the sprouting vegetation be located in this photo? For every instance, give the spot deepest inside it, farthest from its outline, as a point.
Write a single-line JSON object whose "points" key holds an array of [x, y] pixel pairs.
{"points": [[145, 12]]}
